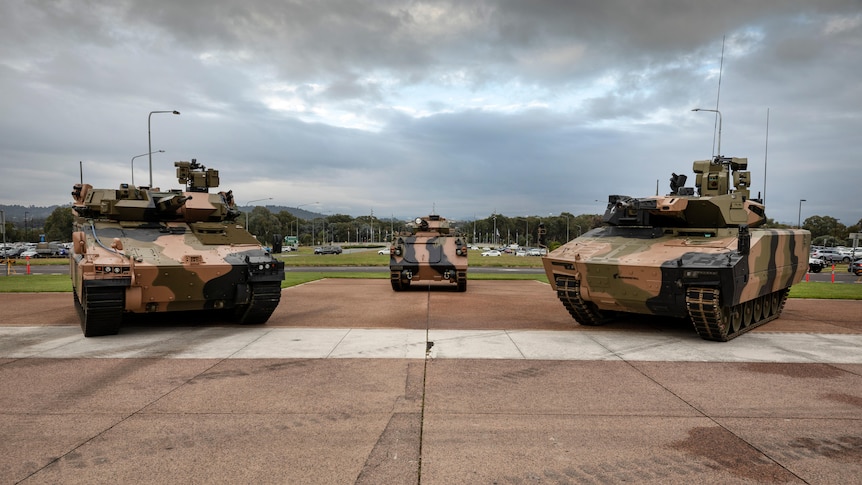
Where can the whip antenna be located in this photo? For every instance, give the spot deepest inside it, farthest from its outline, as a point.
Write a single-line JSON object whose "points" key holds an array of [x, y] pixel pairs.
{"points": [[717, 99]]}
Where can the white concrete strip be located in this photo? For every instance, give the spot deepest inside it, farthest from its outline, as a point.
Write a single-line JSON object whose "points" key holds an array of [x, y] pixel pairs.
{"points": [[323, 343]]}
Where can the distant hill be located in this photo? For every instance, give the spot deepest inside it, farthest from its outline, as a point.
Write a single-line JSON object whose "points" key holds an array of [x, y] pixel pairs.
{"points": [[275, 209], [16, 213]]}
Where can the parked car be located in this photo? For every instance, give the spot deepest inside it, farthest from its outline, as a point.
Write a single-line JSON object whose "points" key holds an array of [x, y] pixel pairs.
{"points": [[520, 252], [383, 251], [537, 252], [831, 255], [815, 265], [491, 252], [11, 251], [327, 250], [855, 267], [30, 253]]}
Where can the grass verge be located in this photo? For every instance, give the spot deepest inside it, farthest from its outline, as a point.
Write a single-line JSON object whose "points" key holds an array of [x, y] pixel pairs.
{"points": [[59, 283]]}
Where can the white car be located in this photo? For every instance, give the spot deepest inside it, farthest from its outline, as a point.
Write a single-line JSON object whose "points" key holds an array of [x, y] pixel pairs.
{"points": [[383, 251], [492, 252], [815, 265], [30, 253]]}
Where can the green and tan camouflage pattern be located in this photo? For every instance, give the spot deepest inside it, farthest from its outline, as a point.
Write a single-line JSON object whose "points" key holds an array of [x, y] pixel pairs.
{"points": [[635, 272], [430, 251], [170, 251], [651, 251]]}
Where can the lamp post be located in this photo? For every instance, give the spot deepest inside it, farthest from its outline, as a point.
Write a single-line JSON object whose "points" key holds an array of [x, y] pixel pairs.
{"points": [[567, 223], [719, 125], [150, 140], [799, 216], [297, 218], [249, 203], [139, 156]]}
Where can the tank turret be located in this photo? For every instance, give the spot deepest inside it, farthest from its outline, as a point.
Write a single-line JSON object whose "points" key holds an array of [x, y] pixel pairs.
{"points": [[144, 250], [698, 253], [130, 203], [723, 200]]}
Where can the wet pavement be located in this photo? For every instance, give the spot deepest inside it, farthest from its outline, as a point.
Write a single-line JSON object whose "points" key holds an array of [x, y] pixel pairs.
{"points": [[351, 382]]}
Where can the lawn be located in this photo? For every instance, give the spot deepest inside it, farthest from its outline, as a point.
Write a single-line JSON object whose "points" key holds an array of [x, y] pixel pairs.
{"points": [[54, 283], [306, 257]]}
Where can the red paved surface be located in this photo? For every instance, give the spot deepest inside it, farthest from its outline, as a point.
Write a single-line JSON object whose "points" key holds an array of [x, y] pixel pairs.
{"points": [[440, 421], [347, 303]]}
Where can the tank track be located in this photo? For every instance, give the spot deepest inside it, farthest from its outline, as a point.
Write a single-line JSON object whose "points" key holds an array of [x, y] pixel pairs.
{"points": [[712, 321], [398, 284], [101, 313], [584, 312], [264, 299], [462, 282]]}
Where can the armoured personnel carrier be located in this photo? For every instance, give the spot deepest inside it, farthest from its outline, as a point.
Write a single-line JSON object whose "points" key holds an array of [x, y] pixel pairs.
{"points": [[702, 257], [431, 251], [142, 250]]}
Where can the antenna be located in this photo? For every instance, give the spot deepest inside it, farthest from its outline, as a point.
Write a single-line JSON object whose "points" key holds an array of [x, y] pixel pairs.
{"points": [[716, 111], [765, 157], [81, 169], [717, 99]]}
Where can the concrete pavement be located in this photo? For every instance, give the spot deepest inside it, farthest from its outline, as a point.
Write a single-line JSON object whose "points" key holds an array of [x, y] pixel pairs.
{"points": [[358, 384]]}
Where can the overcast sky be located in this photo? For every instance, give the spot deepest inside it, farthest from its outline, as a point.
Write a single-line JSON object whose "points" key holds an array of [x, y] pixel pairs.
{"points": [[403, 107]]}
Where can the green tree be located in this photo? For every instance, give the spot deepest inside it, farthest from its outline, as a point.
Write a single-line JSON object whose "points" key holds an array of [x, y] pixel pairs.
{"points": [[828, 241], [58, 225], [825, 226], [772, 224], [288, 222], [264, 224]]}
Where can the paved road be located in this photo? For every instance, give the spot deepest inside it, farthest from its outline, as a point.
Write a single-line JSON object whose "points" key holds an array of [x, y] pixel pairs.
{"points": [[351, 382]]}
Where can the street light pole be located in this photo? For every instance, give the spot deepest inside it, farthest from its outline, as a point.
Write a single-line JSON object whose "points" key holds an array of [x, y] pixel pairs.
{"points": [[249, 203], [139, 156], [297, 218], [719, 125], [150, 140], [799, 217]]}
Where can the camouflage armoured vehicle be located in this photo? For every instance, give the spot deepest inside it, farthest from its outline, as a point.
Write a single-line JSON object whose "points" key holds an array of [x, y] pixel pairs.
{"points": [[430, 251], [702, 257], [141, 250]]}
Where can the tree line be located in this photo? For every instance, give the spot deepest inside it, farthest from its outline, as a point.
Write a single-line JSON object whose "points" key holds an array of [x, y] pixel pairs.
{"points": [[493, 230]]}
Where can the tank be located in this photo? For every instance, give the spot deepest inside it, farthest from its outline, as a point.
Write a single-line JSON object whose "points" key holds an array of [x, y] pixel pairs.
{"points": [[430, 251], [139, 250], [703, 257]]}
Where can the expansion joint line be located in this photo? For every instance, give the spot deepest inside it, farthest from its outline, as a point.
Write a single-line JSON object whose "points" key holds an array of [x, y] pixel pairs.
{"points": [[428, 345], [713, 420]]}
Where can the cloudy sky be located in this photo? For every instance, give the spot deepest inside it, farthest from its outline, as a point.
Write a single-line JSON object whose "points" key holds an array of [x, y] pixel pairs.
{"points": [[403, 107]]}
